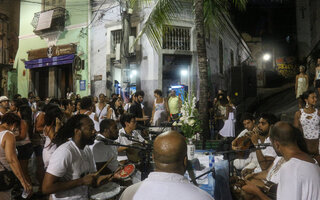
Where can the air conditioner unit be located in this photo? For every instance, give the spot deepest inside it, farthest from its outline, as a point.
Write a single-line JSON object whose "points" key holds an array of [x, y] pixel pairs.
{"points": [[131, 44], [118, 51]]}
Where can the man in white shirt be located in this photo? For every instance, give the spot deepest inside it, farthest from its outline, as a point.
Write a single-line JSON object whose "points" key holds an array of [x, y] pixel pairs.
{"points": [[248, 123], [128, 121], [71, 166], [167, 182], [300, 175], [102, 152], [265, 157]]}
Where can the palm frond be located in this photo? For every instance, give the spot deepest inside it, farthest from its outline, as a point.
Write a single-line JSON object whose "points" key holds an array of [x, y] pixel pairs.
{"points": [[163, 13], [214, 9], [240, 4]]}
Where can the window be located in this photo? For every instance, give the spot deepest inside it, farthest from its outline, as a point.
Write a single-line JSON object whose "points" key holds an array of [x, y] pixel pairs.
{"points": [[176, 38], [231, 58], [50, 4], [220, 56], [116, 37]]}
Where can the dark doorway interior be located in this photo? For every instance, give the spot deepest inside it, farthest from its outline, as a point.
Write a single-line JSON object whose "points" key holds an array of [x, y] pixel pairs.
{"points": [[62, 76], [172, 67]]}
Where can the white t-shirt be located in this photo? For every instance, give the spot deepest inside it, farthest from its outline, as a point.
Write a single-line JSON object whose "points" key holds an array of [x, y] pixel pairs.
{"points": [[168, 186], [269, 151], [125, 141], [47, 151], [274, 172], [299, 180], [96, 124], [69, 163], [102, 153]]}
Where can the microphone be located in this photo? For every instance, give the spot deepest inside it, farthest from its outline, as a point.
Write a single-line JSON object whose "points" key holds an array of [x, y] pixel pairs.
{"points": [[106, 141], [128, 136]]}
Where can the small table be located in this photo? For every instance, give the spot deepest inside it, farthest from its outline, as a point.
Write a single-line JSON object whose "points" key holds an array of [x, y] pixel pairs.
{"points": [[221, 189]]}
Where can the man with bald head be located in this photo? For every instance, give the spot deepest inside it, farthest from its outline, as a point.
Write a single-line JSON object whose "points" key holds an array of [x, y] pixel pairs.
{"points": [[300, 175], [167, 182]]}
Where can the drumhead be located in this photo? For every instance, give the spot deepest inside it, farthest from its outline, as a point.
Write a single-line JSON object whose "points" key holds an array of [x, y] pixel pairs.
{"points": [[127, 171], [104, 192]]}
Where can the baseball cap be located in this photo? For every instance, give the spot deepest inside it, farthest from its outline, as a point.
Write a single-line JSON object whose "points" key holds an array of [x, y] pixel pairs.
{"points": [[3, 98]]}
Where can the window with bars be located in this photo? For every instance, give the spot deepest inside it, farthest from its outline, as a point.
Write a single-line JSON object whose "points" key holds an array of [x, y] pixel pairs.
{"points": [[50, 4], [176, 38], [116, 37]]}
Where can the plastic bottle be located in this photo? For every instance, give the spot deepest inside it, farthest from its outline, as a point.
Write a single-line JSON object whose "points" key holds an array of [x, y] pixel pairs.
{"points": [[211, 180]]}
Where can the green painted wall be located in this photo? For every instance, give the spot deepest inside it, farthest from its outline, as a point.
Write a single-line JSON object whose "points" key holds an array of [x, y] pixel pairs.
{"points": [[75, 32]]}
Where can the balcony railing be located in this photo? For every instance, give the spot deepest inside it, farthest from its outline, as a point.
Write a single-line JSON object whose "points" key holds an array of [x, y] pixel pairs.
{"points": [[176, 38], [50, 20]]}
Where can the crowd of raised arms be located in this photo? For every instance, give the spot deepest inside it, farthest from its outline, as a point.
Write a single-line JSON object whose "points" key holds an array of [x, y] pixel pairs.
{"points": [[67, 139]]}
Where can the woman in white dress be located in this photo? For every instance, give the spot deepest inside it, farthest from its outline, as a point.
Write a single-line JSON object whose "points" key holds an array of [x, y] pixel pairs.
{"points": [[302, 82], [101, 108], [160, 108], [226, 111]]}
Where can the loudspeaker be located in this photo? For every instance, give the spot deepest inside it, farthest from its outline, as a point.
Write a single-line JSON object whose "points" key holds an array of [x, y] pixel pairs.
{"points": [[243, 82]]}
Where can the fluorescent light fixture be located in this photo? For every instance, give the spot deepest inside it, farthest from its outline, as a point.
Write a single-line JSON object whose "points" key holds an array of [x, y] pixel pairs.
{"points": [[176, 87]]}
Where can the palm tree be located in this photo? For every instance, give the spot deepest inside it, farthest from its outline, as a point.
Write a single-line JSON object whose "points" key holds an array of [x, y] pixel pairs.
{"points": [[207, 13]]}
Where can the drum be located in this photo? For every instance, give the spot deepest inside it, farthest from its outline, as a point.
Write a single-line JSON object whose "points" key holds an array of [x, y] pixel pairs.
{"points": [[104, 192], [133, 154], [126, 171]]}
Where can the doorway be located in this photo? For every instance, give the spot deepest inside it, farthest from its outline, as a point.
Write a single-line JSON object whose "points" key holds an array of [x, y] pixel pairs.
{"points": [[176, 71], [55, 79]]}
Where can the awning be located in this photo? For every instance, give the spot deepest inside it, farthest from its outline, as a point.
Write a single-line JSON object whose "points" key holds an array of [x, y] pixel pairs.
{"points": [[46, 62]]}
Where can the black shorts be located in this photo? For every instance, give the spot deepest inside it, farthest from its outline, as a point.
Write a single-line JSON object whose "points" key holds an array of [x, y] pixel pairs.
{"points": [[25, 151], [318, 83]]}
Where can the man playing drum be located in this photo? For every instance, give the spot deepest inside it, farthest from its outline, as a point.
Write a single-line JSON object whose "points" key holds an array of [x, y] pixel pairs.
{"points": [[102, 152], [71, 167]]}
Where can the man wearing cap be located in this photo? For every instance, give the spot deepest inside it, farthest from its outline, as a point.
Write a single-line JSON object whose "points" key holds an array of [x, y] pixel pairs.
{"points": [[4, 105]]}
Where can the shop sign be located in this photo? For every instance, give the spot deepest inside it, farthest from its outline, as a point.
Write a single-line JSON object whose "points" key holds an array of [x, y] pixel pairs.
{"points": [[52, 51]]}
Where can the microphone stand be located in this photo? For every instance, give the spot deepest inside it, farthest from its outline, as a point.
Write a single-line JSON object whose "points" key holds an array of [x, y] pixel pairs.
{"points": [[145, 155], [228, 154], [205, 173], [106, 142]]}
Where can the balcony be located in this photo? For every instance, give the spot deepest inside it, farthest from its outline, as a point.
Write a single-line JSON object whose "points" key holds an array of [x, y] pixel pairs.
{"points": [[48, 21]]}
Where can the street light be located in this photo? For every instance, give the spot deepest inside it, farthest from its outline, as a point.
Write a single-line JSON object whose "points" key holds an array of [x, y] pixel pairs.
{"points": [[184, 72], [266, 57]]}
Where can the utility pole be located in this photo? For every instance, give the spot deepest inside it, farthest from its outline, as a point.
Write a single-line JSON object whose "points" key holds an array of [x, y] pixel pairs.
{"points": [[126, 13]]}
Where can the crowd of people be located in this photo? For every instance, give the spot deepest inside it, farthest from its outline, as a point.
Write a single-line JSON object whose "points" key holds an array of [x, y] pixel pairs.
{"points": [[69, 142], [63, 138]]}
